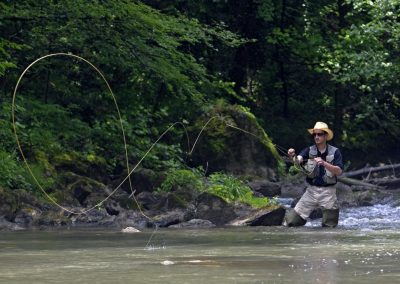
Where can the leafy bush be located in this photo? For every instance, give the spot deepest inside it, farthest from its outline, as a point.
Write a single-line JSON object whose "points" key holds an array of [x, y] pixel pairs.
{"points": [[11, 171], [232, 189], [228, 187], [187, 179]]}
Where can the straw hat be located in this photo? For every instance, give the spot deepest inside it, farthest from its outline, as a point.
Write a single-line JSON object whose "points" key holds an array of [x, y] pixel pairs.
{"points": [[324, 127]]}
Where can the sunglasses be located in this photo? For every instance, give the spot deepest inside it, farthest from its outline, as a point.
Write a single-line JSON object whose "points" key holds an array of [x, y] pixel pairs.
{"points": [[319, 134]]}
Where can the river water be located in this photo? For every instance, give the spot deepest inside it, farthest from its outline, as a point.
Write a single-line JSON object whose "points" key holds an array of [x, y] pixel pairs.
{"points": [[365, 248]]}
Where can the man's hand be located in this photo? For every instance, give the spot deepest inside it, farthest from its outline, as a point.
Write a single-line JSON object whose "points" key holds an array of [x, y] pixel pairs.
{"points": [[319, 161], [334, 169], [291, 152]]}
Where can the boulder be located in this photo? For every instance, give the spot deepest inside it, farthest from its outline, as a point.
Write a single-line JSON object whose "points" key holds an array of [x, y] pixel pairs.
{"points": [[265, 187], [91, 218], [80, 190], [131, 218], [170, 218], [113, 207], [214, 209], [262, 217], [6, 225], [147, 200], [223, 146], [26, 216]]}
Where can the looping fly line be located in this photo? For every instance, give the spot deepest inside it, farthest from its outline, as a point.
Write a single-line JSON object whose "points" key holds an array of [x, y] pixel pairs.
{"points": [[19, 144], [130, 171]]}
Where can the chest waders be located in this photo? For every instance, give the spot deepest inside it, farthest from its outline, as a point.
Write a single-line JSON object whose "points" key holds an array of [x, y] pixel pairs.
{"points": [[317, 196]]}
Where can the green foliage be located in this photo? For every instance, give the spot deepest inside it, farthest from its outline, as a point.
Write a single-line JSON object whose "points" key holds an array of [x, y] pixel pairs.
{"points": [[191, 179], [232, 189], [289, 63], [6, 60], [12, 172], [7, 140], [294, 170], [228, 187]]}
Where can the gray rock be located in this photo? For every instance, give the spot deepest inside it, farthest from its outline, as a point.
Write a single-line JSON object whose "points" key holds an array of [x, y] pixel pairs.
{"points": [[5, 225], [147, 200], [26, 216], [132, 218], [214, 209], [113, 208], [266, 188], [227, 149], [91, 218], [169, 218], [345, 195], [262, 217]]}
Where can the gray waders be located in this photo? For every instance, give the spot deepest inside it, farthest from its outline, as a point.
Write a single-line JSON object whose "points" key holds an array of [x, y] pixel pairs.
{"points": [[330, 218], [294, 220], [315, 197]]}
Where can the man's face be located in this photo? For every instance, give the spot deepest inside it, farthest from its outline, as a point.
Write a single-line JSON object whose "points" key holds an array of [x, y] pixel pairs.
{"points": [[319, 136]]}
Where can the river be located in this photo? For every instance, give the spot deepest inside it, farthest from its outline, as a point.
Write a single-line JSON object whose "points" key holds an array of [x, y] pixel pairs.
{"points": [[365, 248]]}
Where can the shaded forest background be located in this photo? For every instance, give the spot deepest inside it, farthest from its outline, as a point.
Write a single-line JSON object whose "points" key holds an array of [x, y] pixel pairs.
{"points": [[290, 63]]}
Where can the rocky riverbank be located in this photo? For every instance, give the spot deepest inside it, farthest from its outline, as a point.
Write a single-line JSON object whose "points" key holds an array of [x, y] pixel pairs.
{"points": [[21, 210]]}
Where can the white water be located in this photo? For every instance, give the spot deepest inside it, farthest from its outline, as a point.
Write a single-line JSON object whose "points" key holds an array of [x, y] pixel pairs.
{"points": [[377, 217]]}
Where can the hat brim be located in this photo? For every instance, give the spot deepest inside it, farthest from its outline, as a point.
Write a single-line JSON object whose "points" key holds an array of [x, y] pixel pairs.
{"points": [[327, 130]]}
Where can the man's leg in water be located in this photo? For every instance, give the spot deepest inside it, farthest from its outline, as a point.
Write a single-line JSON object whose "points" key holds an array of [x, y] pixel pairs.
{"points": [[298, 216]]}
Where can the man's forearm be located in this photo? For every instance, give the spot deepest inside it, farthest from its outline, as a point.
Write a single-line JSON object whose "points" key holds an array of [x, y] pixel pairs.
{"points": [[337, 171]]}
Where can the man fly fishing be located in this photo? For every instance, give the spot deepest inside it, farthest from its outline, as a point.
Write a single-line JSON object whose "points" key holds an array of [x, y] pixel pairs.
{"points": [[322, 163]]}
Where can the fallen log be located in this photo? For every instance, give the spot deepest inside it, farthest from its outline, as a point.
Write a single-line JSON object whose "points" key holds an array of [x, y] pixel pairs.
{"points": [[389, 183], [371, 170], [351, 181]]}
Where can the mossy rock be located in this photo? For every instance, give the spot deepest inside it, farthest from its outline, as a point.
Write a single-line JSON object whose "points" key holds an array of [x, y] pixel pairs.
{"points": [[234, 142], [73, 187], [215, 209]]}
